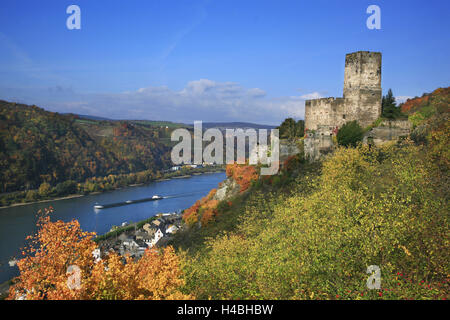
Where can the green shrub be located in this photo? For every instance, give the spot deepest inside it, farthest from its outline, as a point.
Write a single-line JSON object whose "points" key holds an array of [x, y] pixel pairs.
{"points": [[350, 134]]}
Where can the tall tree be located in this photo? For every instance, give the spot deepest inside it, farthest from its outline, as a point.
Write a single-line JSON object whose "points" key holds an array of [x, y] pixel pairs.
{"points": [[389, 107], [290, 129]]}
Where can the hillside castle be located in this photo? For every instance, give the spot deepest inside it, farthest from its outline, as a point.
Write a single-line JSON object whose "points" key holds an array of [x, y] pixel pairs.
{"points": [[361, 102]]}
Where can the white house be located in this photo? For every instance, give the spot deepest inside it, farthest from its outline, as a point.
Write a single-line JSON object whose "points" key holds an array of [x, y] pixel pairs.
{"points": [[130, 244], [158, 236], [172, 229]]}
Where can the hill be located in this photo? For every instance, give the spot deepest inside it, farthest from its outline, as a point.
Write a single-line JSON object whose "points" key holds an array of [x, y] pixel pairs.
{"points": [[312, 231], [235, 125], [38, 146], [85, 116]]}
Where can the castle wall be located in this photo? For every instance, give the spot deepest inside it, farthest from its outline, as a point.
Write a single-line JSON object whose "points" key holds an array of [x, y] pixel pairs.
{"points": [[361, 102], [319, 143], [325, 111], [388, 130]]}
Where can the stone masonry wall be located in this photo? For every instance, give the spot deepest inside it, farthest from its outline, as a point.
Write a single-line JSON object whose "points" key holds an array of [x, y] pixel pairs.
{"points": [[362, 87], [325, 111], [361, 102], [387, 131]]}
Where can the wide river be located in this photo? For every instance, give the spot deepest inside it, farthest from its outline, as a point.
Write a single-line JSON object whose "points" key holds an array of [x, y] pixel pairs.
{"points": [[18, 222]]}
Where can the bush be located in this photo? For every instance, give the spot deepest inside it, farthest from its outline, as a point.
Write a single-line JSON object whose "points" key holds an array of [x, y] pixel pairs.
{"points": [[380, 207], [291, 130], [66, 187], [45, 189], [350, 134], [31, 195]]}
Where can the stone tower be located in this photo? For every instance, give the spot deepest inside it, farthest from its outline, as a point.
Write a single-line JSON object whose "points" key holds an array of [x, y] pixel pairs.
{"points": [[362, 87], [361, 102]]}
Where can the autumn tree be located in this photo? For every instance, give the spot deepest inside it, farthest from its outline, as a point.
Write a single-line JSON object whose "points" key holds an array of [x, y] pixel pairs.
{"points": [[155, 276], [45, 189], [58, 264], [55, 247], [244, 175], [204, 209]]}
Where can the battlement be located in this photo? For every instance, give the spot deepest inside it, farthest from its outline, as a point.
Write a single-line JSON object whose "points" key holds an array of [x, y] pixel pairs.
{"points": [[324, 111], [321, 101]]}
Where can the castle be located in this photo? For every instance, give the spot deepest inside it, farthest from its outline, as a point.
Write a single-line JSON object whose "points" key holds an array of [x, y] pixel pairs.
{"points": [[361, 102]]}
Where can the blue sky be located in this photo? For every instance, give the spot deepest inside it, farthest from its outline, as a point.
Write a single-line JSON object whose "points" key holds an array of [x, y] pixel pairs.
{"points": [[212, 60]]}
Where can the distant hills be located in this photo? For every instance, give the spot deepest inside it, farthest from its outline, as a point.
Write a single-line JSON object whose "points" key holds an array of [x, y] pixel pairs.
{"points": [[235, 125], [38, 146], [205, 125], [85, 116]]}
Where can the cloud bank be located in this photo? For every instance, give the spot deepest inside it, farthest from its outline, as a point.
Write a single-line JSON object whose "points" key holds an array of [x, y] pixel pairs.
{"points": [[203, 99]]}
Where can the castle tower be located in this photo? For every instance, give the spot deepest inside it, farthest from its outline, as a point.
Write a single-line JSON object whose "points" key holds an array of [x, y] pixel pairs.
{"points": [[362, 87]]}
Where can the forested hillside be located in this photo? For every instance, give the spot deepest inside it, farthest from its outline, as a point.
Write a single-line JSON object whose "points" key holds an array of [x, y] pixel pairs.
{"points": [[38, 146]]}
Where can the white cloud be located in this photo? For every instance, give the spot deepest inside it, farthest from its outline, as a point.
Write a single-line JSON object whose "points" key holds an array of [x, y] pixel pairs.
{"points": [[401, 99], [203, 99], [310, 96]]}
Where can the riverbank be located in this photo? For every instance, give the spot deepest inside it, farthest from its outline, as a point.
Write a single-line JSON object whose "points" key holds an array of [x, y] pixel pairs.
{"points": [[42, 201], [71, 196], [18, 222]]}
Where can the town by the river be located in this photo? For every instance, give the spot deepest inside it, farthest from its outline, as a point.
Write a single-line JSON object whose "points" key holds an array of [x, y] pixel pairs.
{"points": [[16, 223]]}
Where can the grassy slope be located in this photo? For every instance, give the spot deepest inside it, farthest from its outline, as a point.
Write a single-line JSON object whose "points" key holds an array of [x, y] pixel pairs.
{"points": [[314, 235]]}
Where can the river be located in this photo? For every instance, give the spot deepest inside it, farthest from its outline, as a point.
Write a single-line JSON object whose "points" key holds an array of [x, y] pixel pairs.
{"points": [[18, 222]]}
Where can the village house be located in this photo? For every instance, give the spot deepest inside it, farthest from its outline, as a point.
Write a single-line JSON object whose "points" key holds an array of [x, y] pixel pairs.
{"points": [[172, 229], [135, 242]]}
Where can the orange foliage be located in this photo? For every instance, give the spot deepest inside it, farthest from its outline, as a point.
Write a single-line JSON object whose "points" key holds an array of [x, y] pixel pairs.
{"points": [[204, 208], [190, 215], [209, 211], [242, 174], [59, 245], [291, 163], [155, 276], [412, 105]]}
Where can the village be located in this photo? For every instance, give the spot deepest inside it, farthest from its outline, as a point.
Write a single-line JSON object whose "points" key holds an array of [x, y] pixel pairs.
{"points": [[136, 238]]}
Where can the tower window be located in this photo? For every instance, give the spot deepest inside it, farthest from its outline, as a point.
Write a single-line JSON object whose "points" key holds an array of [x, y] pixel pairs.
{"points": [[343, 116]]}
